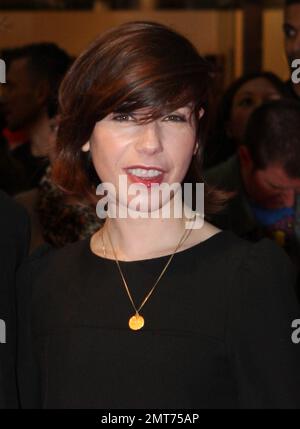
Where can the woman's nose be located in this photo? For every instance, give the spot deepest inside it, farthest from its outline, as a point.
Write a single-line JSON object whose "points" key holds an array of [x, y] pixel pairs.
{"points": [[150, 138]]}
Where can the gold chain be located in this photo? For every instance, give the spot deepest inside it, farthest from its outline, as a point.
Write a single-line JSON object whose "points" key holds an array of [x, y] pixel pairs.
{"points": [[136, 322]]}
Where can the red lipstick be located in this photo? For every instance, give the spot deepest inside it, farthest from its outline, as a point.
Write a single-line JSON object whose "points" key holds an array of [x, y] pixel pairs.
{"points": [[148, 181]]}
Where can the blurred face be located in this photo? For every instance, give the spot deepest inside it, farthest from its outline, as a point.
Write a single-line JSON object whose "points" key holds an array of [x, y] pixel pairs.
{"points": [[20, 96], [44, 137], [291, 30], [272, 188], [52, 137], [251, 95], [156, 152]]}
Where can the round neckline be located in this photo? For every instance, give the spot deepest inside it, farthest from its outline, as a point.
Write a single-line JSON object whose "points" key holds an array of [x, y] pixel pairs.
{"points": [[201, 244]]}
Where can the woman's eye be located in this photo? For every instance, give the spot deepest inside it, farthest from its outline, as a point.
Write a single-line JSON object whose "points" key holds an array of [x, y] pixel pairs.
{"points": [[175, 118], [122, 117]]}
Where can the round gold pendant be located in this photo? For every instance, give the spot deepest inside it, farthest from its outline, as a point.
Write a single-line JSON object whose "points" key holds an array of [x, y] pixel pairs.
{"points": [[136, 322]]}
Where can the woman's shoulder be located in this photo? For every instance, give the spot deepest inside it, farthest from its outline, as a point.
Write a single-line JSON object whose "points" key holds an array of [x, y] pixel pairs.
{"points": [[263, 274], [219, 245], [249, 252], [264, 257], [47, 262], [237, 257]]}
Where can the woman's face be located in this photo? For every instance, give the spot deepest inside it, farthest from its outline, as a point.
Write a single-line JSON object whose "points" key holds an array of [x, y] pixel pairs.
{"points": [[250, 96], [155, 152]]}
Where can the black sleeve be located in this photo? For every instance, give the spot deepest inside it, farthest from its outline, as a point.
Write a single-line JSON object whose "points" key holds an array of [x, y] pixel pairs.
{"points": [[27, 365], [262, 306]]}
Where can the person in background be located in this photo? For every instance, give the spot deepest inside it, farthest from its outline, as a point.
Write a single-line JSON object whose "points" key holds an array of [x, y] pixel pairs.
{"points": [[12, 172], [56, 218], [265, 176], [14, 243], [238, 102], [291, 29], [33, 73]]}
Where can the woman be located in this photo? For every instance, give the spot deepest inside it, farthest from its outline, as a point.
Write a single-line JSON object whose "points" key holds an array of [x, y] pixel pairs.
{"points": [[147, 313], [237, 104]]}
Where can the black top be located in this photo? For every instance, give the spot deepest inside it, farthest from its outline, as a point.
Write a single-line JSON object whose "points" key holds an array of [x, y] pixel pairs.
{"points": [[217, 329], [14, 243]]}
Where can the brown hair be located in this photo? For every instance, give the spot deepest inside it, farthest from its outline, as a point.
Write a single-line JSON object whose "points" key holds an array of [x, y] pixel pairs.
{"points": [[136, 65], [273, 136]]}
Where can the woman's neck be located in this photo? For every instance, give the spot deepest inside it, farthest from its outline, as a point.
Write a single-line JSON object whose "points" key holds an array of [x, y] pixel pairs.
{"points": [[140, 238]]}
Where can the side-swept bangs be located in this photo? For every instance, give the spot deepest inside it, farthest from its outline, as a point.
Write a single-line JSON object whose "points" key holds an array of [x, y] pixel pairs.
{"points": [[135, 66]]}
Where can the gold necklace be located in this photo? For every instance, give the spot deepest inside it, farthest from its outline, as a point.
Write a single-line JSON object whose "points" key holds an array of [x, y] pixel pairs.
{"points": [[137, 321]]}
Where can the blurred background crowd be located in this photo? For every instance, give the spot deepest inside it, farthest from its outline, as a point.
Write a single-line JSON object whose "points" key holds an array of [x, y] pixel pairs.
{"points": [[253, 145]]}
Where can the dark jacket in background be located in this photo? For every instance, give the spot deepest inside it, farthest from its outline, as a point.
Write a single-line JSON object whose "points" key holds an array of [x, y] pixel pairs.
{"points": [[19, 170], [14, 242], [13, 177], [238, 215]]}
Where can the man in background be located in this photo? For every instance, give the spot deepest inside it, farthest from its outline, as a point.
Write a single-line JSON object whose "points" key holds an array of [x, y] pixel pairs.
{"points": [[34, 73], [265, 177]]}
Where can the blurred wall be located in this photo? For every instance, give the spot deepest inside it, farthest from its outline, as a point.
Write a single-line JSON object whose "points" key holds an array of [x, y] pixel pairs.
{"points": [[273, 52], [212, 32]]}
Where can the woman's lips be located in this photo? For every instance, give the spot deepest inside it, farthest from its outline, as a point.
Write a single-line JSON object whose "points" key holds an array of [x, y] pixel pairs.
{"points": [[148, 181]]}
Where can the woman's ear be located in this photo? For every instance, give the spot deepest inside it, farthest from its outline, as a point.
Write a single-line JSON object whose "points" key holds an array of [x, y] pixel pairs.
{"points": [[201, 112], [85, 147], [196, 148]]}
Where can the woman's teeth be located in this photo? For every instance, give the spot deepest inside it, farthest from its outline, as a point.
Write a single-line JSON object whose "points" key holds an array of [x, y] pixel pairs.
{"points": [[140, 172]]}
